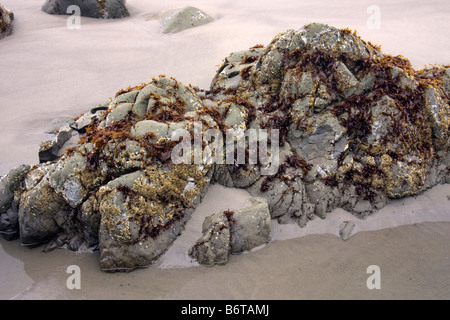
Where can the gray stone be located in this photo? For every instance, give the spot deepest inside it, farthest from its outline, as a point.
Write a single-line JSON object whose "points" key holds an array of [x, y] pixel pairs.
{"points": [[90, 220], [321, 209], [232, 232], [58, 123], [48, 151], [6, 18], [142, 100], [146, 209], [308, 210], [447, 79], [234, 117], [85, 120], [366, 83], [346, 229], [214, 246], [306, 85], [347, 83], [145, 127], [184, 18], [9, 184], [119, 113], [129, 97], [103, 9], [65, 169], [9, 225], [437, 112], [37, 213], [162, 94], [250, 226]]}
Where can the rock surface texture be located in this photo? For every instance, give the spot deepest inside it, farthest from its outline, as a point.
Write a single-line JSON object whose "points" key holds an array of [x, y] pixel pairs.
{"points": [[356, 128], [103, 9], [6, 18]]}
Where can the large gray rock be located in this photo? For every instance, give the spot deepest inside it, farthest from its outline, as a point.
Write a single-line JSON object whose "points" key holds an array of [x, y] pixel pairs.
{"points": [[104, 9], [184, 18], [355, 128]]}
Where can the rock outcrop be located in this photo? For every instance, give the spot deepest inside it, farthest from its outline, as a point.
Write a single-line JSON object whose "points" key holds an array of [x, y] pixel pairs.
{"points": [[103, 9], [6, 18], [350, 126]]}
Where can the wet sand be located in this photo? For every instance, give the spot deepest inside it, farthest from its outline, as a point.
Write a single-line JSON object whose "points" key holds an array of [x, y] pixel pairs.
{"points": [[414, 259]]}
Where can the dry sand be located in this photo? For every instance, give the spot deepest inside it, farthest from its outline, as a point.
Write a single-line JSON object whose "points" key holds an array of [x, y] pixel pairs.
{"points": [[50, 71]]}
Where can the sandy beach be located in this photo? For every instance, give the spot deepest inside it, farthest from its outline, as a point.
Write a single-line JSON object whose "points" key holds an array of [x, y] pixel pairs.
{"points": [[50, 71], [413, 256]]}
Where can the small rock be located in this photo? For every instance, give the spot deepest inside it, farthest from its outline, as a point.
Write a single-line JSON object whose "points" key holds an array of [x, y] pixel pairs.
{"points": [[48, 151], [346, 229], [213, 247], [232, 232], [185, 18]]}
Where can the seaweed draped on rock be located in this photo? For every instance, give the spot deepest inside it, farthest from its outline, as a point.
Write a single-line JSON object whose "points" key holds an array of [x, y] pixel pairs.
{"points": [[357, 127]]}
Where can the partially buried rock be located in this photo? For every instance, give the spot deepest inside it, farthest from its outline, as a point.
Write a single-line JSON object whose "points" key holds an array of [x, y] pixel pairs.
{"points": [[6, 18], [346, 229], [232, 232], [103, 9], [184, 18]]}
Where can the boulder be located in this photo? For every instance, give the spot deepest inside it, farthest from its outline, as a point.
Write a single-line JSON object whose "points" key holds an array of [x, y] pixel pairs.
{"points": [[232, 232], [334, 123], [180, 19], [103, 9], [214, 245]]}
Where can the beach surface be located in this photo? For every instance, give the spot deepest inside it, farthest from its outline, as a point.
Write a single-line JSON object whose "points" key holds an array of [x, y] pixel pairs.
{"points": [[51, 72]]}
